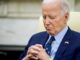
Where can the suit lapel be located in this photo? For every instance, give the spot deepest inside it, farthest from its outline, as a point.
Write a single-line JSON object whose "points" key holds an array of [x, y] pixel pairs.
{"points": [[64, 44], [45, 39], [42, 40]]}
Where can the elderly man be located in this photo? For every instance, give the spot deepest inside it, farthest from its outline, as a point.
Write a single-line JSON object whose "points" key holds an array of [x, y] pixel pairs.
{"points": [[58, 42]]}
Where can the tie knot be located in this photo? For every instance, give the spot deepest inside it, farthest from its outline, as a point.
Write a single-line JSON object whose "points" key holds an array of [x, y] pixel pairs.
{"points": [[51, 39]]}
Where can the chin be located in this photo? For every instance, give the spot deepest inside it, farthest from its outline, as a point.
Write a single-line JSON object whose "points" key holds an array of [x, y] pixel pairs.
{"points": [[51, 33]]}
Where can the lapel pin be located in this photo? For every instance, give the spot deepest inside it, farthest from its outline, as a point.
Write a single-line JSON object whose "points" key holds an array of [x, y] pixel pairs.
{"points": [[66, 42]]}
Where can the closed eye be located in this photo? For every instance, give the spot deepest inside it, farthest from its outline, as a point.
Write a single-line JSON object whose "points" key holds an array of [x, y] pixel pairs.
{"points": [[52, 17]]}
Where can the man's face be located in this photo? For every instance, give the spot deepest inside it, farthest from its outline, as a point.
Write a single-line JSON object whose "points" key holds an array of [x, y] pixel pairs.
{"points": [[54, 21]]}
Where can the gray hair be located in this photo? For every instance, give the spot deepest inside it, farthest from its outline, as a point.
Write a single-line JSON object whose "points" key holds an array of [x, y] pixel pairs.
{"points": [[64, 5]]}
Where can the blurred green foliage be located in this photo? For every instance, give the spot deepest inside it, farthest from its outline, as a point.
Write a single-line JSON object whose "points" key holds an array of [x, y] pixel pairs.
{"points": [[77, 1]]}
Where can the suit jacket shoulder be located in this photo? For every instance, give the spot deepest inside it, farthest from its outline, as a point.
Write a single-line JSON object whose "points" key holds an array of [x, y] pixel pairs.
{"points": [[69, 48], [39, 38]]}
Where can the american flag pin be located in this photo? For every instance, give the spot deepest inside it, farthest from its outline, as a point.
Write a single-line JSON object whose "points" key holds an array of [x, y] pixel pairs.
{"points": [[66, 42]]}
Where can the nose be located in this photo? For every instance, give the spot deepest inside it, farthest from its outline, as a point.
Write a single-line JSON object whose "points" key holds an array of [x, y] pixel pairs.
{"points": [[47, 21]]}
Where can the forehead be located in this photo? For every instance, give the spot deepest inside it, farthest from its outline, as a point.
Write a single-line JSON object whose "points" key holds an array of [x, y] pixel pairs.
{"points": [[52, 7]]}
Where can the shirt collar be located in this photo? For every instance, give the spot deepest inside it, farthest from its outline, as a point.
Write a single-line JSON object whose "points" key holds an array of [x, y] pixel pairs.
{"points": [[61, 34]]}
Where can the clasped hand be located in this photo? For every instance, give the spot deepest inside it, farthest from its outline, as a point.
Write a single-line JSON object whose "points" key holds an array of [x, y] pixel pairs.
{"points": [[36, 52]]}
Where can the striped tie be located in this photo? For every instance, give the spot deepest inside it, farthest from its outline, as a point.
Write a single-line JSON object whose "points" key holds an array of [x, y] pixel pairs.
{"points": [[48, 45]]}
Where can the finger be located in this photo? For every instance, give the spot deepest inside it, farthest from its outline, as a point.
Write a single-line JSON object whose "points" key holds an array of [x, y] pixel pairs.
{"points": [[34, 57], [32, 51], [34, 47], [27, 57], [39, 45], [30, 57]]}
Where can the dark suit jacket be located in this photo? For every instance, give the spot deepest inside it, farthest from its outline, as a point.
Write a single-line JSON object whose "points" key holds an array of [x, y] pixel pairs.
{"points": [[69, 48]]}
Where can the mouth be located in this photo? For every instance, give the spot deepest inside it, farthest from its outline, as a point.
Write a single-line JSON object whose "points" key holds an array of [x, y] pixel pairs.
{"points": [[48, 29]]}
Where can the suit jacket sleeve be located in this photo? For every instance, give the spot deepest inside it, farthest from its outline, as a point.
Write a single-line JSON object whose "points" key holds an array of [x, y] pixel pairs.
{"points": [[25, 50]]}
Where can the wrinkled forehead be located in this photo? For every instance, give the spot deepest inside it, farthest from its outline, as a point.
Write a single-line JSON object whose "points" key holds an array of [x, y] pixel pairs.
{"points": [[51, 6], [52, 3]]}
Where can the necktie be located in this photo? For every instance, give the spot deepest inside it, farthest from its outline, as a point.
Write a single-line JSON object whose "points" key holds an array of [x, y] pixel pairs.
{"points": [[48, 45]]}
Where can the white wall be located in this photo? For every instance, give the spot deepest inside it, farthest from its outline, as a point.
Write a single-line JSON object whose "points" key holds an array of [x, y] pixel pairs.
{"points": [[21, 22], [16, 31], [74, 21]]}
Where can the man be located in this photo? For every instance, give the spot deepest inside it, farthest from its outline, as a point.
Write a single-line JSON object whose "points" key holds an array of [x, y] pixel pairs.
{"points": [[66, 44]]}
